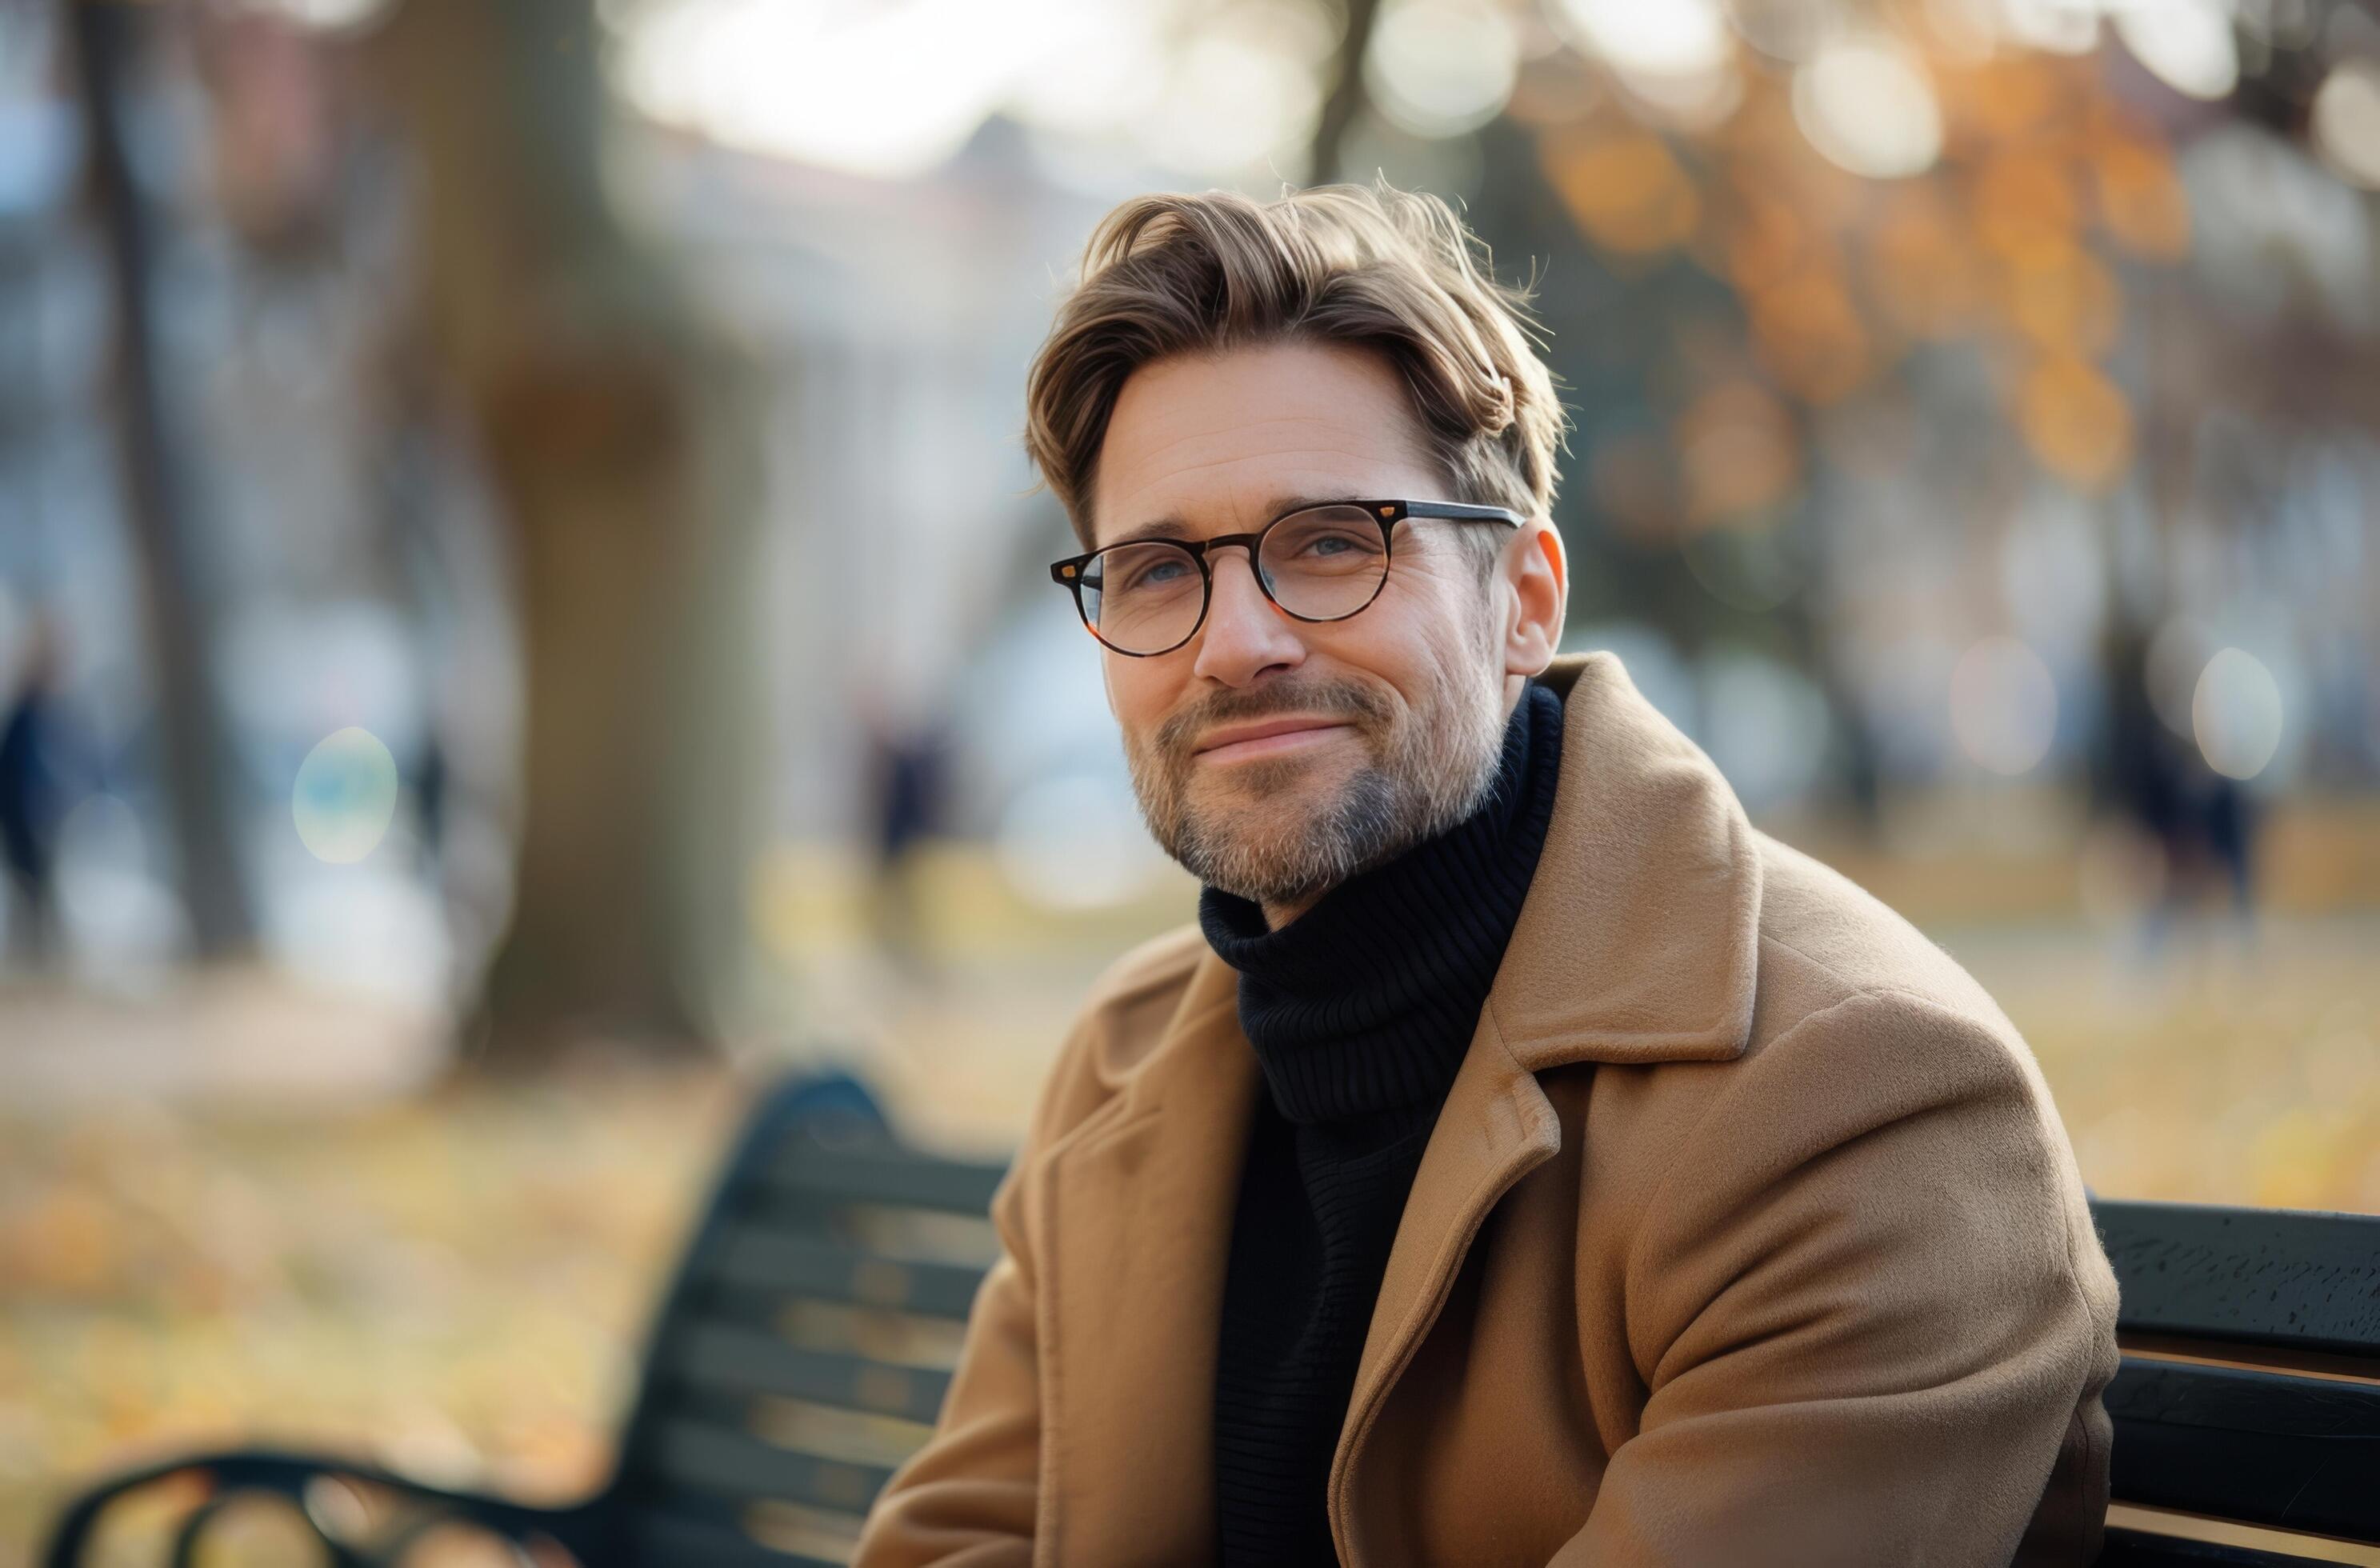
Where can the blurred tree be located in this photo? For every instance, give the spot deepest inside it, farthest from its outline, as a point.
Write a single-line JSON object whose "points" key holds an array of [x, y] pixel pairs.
{"points": [[195, 763], [610, 425], [1344, 96]]}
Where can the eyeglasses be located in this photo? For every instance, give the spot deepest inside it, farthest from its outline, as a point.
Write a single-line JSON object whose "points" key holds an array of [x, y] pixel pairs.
{"points": [[1149, 596]]}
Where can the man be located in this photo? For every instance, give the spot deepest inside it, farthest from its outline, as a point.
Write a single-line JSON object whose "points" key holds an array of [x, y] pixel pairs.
{"points": [[1525, 1160]]}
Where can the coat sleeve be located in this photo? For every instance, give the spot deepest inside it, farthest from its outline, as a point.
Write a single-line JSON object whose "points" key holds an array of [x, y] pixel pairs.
{"points": [[1871, 1314], [969, 1497]]}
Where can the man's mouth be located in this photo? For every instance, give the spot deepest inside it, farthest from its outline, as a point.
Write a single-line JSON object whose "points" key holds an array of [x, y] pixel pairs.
{"points": [[1270, 737]]}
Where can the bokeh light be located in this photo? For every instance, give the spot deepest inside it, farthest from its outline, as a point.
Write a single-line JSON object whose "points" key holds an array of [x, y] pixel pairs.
{"points": [[1673, 57], [1440, 68], [1242, 94], [2236, 714], [346, 795], [331, 16], [1681, 39], [883, 92], [1866, 105], [2054, 27], [2003, 706], [2346, 121], [2187, 43]]}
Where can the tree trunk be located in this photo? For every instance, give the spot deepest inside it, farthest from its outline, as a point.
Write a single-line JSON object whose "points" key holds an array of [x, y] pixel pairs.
{"points": [[195, 761], [607, 425], [1345, 100]]}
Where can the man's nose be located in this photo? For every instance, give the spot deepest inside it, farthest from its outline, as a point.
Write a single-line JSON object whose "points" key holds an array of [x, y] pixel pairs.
{"points": [[1245, 634]]}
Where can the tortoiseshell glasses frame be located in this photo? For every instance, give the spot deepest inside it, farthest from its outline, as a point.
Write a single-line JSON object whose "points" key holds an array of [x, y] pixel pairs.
{"points": [[1292, 566]]}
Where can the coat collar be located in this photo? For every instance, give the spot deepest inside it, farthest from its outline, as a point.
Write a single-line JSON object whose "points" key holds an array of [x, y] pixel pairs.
{"points": [[1639, 938], [1635, 944]]}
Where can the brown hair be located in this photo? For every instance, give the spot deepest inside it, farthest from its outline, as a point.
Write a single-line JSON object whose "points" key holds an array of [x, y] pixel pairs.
{"points": [[1391, 271]]}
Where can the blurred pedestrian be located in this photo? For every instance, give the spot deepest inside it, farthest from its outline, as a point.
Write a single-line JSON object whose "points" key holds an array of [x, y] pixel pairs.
{"points": [[37, 787], [2201, 823], [908, 789]]}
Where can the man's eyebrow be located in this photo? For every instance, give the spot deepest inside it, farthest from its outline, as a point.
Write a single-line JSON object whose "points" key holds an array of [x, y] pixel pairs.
{"points": [[1163, 527], [1175, 528]]}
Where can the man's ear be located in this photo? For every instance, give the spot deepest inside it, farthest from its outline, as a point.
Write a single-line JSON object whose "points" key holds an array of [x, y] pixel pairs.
{"points": [[1538, 574]]}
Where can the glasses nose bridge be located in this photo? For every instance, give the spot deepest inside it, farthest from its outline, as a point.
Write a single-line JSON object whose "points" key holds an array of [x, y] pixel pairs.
{"points": [[1247, 544]]}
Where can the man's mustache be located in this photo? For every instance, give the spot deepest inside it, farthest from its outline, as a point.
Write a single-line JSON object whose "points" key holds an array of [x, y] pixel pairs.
{"points": [[1338, 699]]}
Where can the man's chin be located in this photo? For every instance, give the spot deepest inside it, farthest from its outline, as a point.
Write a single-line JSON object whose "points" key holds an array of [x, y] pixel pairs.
{"points": [[1315, 774], [1297, 835]]}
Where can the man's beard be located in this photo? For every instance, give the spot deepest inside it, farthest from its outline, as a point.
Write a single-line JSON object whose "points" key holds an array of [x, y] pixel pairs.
{"points": [[1420, 779]]}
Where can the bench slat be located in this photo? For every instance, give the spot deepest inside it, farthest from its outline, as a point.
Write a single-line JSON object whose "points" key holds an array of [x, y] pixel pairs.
{"points": [[2138, 1548], [672, 1539], [721, 1358], [2262, 1448], [718, 1461], [803, 1266], [889, 1176], [2266, 1277]]}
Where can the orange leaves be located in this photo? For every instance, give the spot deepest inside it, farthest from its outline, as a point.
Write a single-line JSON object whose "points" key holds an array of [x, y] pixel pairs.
{"points": [[1923, 268], [1740, 451], [1625, 189], [2141, 200], [2015, 244], [2075, 421], [2061, 298], [1807, 333], [2020, 200], [63, 1243], [455, 1283]]}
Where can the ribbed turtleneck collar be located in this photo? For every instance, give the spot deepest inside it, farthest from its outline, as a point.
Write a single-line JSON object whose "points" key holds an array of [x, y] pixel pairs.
{"points": [[1366, 1004]]}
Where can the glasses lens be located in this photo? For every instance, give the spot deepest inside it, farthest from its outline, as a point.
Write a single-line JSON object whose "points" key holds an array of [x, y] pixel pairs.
{"points": [[1325, 562], [1143, 598]]}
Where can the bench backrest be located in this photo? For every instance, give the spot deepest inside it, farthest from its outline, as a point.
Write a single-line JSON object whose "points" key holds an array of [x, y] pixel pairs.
{"points": [[2250, 1390], [807, 1345]]}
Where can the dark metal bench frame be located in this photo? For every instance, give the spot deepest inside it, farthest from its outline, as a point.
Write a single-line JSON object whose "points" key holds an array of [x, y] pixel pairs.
{"points": [[2284, 1435], [798, 1143]]}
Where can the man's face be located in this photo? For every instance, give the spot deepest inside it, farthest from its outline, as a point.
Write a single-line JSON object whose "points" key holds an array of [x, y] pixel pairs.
{"points": [[1276, 758]]}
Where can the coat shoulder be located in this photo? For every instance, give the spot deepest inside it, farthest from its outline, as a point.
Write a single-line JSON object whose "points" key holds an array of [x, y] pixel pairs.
{"points": [[1123, 1017], [1825, 940]]}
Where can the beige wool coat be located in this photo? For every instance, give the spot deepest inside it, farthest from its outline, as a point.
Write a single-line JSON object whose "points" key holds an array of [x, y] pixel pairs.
{"points": [[1748, 1234]]}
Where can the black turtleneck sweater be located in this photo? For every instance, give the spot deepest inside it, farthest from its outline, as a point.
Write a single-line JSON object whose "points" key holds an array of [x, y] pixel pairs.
{"points": [[1360, 1011]]}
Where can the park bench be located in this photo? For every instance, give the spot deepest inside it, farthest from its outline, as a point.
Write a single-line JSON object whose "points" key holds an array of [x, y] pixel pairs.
{"points": [[804, 1347]]}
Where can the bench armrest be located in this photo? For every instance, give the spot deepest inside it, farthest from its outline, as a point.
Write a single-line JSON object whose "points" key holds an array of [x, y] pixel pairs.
{"points": [[276, 1474]]}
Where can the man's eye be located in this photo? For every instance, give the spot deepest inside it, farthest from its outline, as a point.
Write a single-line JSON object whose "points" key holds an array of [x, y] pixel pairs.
{"points": [[1155, 574], [1329, 545]]}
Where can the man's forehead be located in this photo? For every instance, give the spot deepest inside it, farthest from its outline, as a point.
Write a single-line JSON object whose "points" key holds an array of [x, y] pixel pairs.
{"points": [[1226, 441]]}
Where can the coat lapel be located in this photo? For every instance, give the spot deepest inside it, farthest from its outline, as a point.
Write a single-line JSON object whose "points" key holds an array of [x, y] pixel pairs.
{"points": [[1139, 1240], [1638, 942], [1494, 1126]]}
